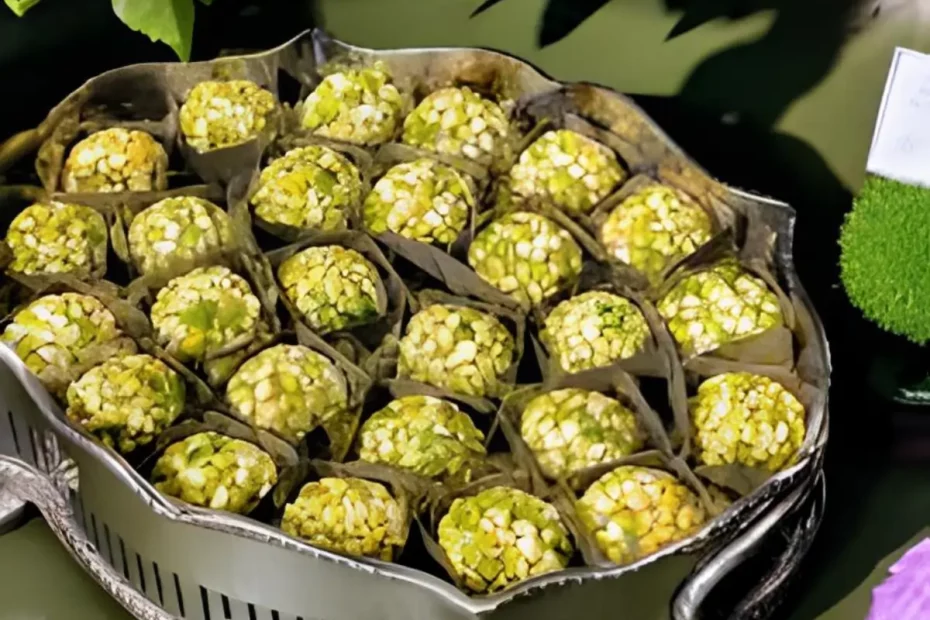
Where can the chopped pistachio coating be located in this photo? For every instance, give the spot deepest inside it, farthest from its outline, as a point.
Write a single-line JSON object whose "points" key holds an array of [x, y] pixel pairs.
{"points": [[312, 187], [566, 169], [460, 122], [422, 200], [456, 348], [594, 329], [334, 287], [202, 312], [288, 389], [526, 255], [218, 115], [126, 401], [56, 330], [349, 515], [632, 512], [655, 228], [423, 434], [215, 471], [719, 305], [173, 235], [116, 160], [571, 429], [502, 536], [749, 419], [360, 106], [53, 237]]}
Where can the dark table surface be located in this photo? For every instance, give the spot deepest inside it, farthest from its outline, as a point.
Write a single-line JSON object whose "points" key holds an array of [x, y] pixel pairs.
{"points": [[781, 100]]}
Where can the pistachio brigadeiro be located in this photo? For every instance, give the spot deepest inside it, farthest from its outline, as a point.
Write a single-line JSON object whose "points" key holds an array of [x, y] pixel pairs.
{"points": [[310, 187], [215, 471], [288, 389], [203, 312], [634, 511], [116, 160], [428, 436], [360, 106], [55, 237], [218, 115], [594, 329], [654, 228], [740, 417], [526, 255], [456, 348], [422, 200], [502, 536], [718, 305], [172, 236], [349, 515], [56, 332], [127, 401], [566, 169], [333, 287], [571, 429], [460, 122]]}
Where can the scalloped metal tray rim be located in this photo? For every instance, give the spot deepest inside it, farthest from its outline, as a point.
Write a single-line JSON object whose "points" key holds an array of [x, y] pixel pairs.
{"points": [[247, 528]]}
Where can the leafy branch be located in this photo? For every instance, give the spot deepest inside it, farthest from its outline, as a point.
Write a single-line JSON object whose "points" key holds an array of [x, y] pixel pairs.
{"points": [[168, 21]]}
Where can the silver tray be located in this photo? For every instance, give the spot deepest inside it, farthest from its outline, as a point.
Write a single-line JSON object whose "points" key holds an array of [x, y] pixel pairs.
{"points": [[161, 559]]}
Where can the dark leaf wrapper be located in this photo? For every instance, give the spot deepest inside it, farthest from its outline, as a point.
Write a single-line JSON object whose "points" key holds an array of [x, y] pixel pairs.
{"points": [[341, 432], [453, 274]]}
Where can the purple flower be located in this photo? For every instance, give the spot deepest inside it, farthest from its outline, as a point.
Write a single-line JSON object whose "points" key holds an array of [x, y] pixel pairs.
{"points": [[905, 594]]}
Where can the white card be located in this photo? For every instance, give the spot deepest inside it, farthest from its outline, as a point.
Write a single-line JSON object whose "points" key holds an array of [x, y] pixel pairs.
{"points": [[901, 142]]}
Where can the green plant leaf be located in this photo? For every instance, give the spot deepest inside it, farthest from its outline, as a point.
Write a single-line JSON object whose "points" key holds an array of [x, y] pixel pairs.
{"points": [[168, 21], [21, 6]]}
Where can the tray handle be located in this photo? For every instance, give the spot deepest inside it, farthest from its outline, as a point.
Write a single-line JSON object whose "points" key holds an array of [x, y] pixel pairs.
{"points": [[687, 602], [50, 493]]}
